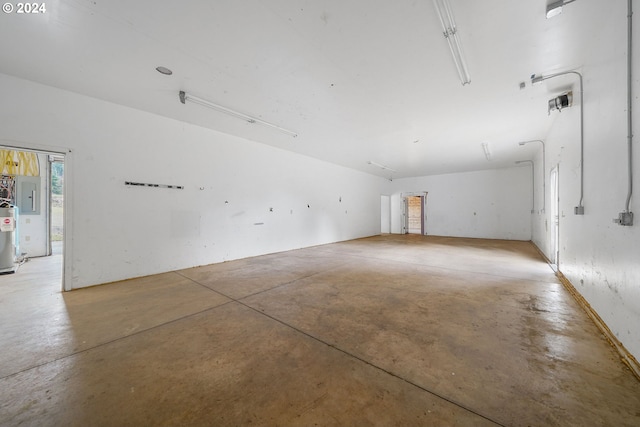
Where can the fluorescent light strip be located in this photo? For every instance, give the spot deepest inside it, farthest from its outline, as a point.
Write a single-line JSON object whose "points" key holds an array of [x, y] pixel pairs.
{"points": [[184, 96], [555, 7], [380, 166], [450, 32]]}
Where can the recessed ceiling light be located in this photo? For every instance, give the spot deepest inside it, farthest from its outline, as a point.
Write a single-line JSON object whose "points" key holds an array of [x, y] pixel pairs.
{"points": [[164, 70]]}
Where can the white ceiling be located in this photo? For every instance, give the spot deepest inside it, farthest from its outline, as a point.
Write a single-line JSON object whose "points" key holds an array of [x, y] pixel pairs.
{"points": [[358, 80]]}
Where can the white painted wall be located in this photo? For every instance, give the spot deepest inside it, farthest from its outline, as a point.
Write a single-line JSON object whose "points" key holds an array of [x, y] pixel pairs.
{"points": [[600, 258], [493, 204], [385, 214], [122, 232]]}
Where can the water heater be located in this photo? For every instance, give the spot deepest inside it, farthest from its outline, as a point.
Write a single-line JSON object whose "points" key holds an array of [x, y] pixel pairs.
{"points": [[8, 239]]}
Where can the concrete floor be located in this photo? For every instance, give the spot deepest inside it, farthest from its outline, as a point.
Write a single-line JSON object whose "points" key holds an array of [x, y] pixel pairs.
{"points": [[389, 330]]}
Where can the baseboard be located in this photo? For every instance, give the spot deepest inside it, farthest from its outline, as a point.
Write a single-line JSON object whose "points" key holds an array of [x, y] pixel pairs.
{"points": [[542, 254], [626, 357]]}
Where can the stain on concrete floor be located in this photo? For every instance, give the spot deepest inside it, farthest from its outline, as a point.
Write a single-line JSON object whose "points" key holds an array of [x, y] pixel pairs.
{"points": [[389, 330]]}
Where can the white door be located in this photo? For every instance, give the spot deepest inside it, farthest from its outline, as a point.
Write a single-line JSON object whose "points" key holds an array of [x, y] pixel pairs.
{"points": [[405, 216], [554, 235]]}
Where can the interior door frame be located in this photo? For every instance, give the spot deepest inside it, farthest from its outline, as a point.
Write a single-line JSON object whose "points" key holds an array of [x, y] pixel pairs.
{"points": [[554, 216], [67, 154], [405, 216], [423, 211], [51, 159]]}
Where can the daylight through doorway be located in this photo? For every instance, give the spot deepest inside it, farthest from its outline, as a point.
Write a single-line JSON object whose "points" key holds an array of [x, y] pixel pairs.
{"points": [[415, 218], [56, 221], [37, 199]]}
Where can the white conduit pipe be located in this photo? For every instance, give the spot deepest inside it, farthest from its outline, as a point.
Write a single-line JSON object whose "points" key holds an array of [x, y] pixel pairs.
{"points": [[629, 105], [626, 217], [579, 210]]}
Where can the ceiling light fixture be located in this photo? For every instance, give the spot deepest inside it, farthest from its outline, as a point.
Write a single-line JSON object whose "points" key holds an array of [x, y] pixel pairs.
{"points": [[450, 32], [578, 210], [184, 96], [164, 70], [555, 7], [371, 162]]}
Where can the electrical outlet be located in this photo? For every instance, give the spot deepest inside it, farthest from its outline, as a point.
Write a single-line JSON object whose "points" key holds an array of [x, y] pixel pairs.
{"points": [[578, 210]]}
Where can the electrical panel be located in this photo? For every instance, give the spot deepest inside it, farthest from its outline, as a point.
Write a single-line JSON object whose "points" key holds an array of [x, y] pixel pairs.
{"points": [[28, 194]]}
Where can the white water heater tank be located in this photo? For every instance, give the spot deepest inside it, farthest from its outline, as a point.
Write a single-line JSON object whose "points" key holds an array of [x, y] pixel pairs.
{"points": [[8, 236]]}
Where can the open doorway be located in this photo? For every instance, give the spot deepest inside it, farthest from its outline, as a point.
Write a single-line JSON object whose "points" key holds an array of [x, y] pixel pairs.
{"points": [[414, 213], [56, 213], [554, 232], [37, 198]]}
